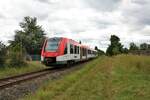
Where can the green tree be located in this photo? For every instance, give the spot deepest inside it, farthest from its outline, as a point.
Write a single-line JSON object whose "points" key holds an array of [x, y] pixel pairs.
{"points": [[115, 47], [3, 53], [148, 46], [133, 46], [100, 52], [144, 46], [125, 50], [31, 36], [17, 56]]}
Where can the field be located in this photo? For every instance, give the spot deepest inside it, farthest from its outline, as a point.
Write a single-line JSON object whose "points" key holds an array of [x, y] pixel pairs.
{"points": [[123, 77], [10, 71]]}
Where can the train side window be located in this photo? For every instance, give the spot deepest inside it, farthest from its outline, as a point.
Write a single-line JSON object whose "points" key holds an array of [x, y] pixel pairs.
{"points": [[65, 51], [83, 51], [78, 50], [75, 49], [71, 49], [88, 51]]}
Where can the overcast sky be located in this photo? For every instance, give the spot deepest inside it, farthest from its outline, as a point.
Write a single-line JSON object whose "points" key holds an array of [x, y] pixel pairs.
{"points": [[91, 21]]}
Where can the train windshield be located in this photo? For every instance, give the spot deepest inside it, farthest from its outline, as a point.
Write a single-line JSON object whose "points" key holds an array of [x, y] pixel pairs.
{"points": [[52, 44]]}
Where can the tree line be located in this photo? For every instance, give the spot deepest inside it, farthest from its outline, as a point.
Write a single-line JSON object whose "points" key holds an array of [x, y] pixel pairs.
{"points": [[143, 46], [29, 38], [116, 47], [27, 41]]}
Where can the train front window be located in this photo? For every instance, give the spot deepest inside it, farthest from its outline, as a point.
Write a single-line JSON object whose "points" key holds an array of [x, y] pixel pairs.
{"points": [[52, 44]]}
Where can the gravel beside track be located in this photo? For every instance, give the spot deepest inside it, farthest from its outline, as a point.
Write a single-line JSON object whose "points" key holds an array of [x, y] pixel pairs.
{"points": [[21, 89]]}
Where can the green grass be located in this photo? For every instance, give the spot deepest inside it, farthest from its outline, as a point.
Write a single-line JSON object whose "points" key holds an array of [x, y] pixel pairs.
{"points": [[11, 71], [123, 77]]}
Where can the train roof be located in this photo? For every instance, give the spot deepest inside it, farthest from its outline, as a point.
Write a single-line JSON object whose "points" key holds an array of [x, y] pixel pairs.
{"points": [[74, 42]]}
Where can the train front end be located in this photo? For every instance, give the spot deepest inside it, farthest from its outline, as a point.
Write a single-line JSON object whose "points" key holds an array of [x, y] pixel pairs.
{"points": [[52, 48]]}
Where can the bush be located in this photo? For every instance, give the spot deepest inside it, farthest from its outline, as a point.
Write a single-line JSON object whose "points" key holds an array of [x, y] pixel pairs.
{"points": [[115, 47], [17, 56], [3, 52]]}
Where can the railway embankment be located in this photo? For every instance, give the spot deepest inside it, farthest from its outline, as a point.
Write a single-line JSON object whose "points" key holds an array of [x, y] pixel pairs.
{"points": [[122, 77], [12, 71], [16, 87]]}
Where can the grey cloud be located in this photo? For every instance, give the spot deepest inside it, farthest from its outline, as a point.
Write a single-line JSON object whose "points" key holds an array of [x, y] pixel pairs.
{"points": [[77, 30], [42, 16], [58, 31], [72, 25], [140, 1], [38, 10], [44, 1], [137, 16], [101, 24], [87, 40], [2, 15], [72, 30], [103, 5], [48, 1], [81, 19]]}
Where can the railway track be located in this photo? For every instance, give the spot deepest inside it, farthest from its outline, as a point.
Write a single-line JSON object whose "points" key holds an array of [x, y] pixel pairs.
{"points": [[14, 80], [10, 81]]}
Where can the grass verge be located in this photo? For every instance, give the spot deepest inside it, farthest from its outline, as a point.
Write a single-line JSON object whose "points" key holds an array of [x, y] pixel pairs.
{"points": [[11, 71], [123, 77]]}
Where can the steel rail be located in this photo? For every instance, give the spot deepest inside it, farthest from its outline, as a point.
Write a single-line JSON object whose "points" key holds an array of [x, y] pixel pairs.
{"points": [[10, 81]]}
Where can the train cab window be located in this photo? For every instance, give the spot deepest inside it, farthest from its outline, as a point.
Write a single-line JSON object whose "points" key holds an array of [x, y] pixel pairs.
{"points": [[52, 44], [71, 49], [65, 51]]}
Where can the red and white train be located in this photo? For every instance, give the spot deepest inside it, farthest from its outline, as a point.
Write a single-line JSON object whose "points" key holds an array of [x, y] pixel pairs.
{"points": [[60, 50]]}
